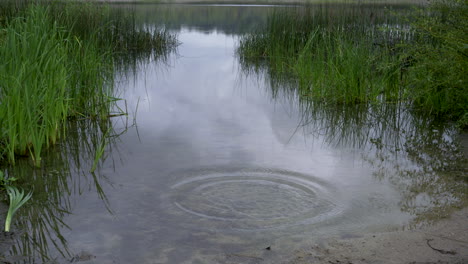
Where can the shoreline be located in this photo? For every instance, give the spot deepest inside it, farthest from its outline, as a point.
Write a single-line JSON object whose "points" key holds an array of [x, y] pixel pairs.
{"points": [[444, 242], [255, 2]]}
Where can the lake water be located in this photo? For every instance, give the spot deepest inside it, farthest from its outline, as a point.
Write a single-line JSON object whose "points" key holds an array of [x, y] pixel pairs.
{"points": [[212, 165]]}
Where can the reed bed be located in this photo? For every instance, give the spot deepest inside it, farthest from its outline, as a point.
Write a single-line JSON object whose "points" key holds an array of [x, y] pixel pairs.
{"points": [[58, 63], [115, 29], [439, 75], [38, 92], [358, 54], [334, 58]]}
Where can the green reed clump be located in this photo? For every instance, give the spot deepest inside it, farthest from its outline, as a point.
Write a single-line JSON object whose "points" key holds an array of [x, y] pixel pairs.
{"points": [[340, 70], [364, 57], [339, 59], [115, 29], [438, 77], [112, 31], [46, 76], [58, 63]]}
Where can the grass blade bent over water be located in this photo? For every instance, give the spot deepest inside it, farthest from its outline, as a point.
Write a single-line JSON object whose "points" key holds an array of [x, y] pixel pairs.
{"points": [[17, 199]]}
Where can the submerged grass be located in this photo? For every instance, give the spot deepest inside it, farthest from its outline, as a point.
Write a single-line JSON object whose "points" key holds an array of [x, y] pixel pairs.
{"points": [[58, 63]]}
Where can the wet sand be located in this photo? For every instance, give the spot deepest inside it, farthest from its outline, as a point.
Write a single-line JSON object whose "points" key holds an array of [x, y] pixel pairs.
{"points": [[445, 242]]}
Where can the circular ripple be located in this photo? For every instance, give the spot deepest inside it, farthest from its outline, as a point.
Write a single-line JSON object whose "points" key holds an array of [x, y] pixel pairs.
{"points": [[255, 198]]}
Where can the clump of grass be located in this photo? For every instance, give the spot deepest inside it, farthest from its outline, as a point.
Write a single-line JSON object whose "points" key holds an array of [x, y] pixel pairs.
{"points": [[113, 28], [46, 75], [58, 63], [339, 70], [333, 60], [365, 58], [438, 77], [17, 199]]}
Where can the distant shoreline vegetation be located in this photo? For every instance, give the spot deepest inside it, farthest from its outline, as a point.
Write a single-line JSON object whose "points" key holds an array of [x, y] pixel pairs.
{"points": [[360, 56], [58, 63], [261, 2]]}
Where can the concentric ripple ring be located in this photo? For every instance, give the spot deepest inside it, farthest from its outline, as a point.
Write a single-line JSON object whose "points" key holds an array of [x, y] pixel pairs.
{"points": [[255, 199]]}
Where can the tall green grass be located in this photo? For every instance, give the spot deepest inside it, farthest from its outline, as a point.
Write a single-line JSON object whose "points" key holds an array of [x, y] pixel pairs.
{"points": [[359, 55], [114, 28], [44, 70], [438, 80], [334, 58], [58, 63]]}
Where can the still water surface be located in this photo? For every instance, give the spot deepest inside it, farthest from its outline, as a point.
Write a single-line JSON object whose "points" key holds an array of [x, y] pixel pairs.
{"points": [[218, 167], [211, 164]]}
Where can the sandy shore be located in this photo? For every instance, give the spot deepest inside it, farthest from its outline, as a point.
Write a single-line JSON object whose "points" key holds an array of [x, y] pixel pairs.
{"points": [[445, 242]]}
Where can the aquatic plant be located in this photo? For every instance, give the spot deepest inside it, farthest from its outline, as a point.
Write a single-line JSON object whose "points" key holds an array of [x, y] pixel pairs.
{"points": [[99, 152], [114, 29], [64, 175], [6, 181], [368, 58], [438, 75], [58, 63], [331, 58], [17, 199], [47, 75]]}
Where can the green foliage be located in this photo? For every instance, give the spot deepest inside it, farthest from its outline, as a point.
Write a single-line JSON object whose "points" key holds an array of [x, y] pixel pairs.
{"points": [[334, 55], [6, 181], [46, 76], [346, 56], [58, 63], [17, 199], [113, 29], [438, 78]]}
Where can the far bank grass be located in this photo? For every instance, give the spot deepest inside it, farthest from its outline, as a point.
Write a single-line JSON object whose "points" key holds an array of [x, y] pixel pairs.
{"points": [[333, 54], [58, 63], [356, 55], [438, 76], [264, 2]]}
